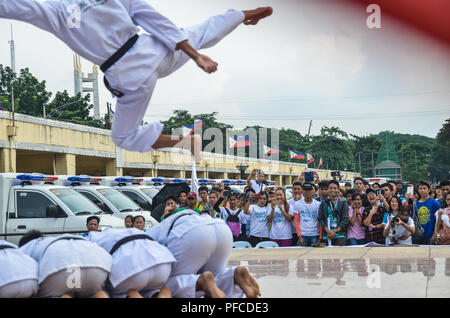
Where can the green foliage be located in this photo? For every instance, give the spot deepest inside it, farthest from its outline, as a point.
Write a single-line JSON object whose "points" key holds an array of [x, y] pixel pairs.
{"points": [[31, 97], [439, 167]]}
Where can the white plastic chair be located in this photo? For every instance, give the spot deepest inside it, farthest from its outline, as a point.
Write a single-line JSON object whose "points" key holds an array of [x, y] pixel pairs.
{"points": [[266, 244], [241, 244]]}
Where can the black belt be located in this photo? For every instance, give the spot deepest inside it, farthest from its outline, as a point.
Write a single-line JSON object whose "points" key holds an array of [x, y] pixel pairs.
{"points": [[3, 247], [128, 239], [176, 219], [113, 59], [64, 238]]}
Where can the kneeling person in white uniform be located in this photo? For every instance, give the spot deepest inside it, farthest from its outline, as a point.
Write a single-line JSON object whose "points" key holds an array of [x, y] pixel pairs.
{"points": [[201, 244], [18, 272], [69, 265]]}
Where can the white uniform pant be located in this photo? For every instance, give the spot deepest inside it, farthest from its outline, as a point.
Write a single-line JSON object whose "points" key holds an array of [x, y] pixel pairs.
{"points": [[81, 282], [206, 248], [147, 282], [126, 131], [21, 289]]}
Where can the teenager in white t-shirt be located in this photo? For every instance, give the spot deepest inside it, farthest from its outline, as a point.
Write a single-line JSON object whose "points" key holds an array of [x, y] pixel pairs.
{"points": [[280, 216], [258, 184], [297, 195], [306, 216], [259, 227]]}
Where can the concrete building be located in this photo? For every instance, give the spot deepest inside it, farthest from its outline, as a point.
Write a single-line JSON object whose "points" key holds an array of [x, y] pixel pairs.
{"points": [[53, 147]]}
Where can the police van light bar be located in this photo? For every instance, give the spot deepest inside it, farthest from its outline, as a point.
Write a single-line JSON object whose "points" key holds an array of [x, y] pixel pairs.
{"points": [[178, 180], [241, 182], [158, 179], [83, 179], [227, 181], [204, 180], [35, 177], [124, 179]]}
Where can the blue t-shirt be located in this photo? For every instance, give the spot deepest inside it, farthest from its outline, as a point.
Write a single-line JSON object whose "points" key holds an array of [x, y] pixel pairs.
{"points": [[426, 211]]}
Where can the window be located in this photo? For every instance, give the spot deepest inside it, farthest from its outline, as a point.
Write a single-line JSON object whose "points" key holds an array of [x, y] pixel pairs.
{"points": [[134, 196], [32, 205], [94, 199]]}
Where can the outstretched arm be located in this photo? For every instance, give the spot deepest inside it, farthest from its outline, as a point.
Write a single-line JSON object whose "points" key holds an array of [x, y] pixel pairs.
{"points": [[42, 14]]}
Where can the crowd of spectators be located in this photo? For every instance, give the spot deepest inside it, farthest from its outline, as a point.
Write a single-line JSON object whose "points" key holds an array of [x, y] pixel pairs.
{"points": [[320, 212], [325, 213]]}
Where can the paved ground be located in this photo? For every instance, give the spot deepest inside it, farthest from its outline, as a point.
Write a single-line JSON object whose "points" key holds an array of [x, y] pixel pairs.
{"points": [[410, 271]]}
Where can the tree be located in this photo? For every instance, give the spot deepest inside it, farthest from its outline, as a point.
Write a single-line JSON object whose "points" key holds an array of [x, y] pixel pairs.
{"points": [[439, 166], [74, 109], [336, 152], [366, 149], [30, 95]]}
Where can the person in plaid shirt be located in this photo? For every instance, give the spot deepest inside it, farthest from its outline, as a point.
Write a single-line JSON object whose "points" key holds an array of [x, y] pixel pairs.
{"points": [[373, 218]]}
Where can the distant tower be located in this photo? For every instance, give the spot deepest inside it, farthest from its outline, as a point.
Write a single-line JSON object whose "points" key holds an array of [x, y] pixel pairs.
{"points": [[79, 79], [13, 52]]}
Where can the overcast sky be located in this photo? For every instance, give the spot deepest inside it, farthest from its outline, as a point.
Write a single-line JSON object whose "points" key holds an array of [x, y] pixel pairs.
{"points": [[313, 59]]}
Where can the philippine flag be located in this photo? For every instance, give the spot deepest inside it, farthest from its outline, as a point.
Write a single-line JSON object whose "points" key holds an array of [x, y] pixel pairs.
{"points": [[268, 150], [310, 158], [239, 141], [320, 164], [297, 155], [188, 130]]}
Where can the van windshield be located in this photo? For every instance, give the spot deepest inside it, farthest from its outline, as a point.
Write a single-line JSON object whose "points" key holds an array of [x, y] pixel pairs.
{"points": [[150, 192], [75, 201], [119, 200]]}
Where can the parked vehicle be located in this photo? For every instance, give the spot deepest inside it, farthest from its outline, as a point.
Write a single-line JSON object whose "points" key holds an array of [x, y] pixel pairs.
{"points": [[35, 202]]}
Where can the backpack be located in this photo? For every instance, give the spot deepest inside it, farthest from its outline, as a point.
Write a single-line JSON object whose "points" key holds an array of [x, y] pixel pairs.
{"points": [[233, 222], [419, 236]]}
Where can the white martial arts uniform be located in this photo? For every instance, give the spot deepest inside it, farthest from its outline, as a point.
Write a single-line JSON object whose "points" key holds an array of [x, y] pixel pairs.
{"points": [[69, 264], [98, 28], [143, 265], [18, 273], [199, 244]]}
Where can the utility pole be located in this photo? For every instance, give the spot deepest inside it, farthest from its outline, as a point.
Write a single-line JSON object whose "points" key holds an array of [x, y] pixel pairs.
{"points": [[309, 130], [359, 155], [373, 172]]}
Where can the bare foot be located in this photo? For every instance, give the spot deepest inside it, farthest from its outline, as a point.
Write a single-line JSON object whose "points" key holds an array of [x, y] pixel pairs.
{"points": [[164, 293], [246, 282], [101, 294], [253, 16], [66, 296], [207, 284], [134, 294]]}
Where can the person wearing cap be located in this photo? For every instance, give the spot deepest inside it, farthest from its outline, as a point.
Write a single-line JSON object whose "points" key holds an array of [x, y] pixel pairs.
{"points": [[306, 213], [297, 195]]}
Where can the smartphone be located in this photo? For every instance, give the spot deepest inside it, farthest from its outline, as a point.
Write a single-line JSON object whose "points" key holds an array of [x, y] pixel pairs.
{"points": [[309, 176], [410, 191]]}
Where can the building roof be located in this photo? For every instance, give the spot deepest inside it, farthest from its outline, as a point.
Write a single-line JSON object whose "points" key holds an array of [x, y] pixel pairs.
{"points": [[387, 164]]}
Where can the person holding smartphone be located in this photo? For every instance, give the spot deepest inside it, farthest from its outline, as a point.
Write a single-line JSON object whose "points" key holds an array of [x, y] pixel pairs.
{"points": [[258, 184], [441, 233], [259, 226]]}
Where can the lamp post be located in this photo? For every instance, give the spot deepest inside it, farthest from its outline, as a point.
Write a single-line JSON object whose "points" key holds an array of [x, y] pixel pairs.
{"points": [[206, 167], [155, 159], [242, 166]]}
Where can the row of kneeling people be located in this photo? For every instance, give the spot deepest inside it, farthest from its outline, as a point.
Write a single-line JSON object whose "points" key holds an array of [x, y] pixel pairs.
{"points": [[185, 256]]}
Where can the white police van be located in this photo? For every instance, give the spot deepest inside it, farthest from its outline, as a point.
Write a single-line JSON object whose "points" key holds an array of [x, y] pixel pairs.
{"points": [[35, 202], [107, 198], [140, 190]]}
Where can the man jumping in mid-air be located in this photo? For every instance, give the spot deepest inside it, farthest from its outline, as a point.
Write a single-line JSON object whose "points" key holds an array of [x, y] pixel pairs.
{"points": [[105, 33]]}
